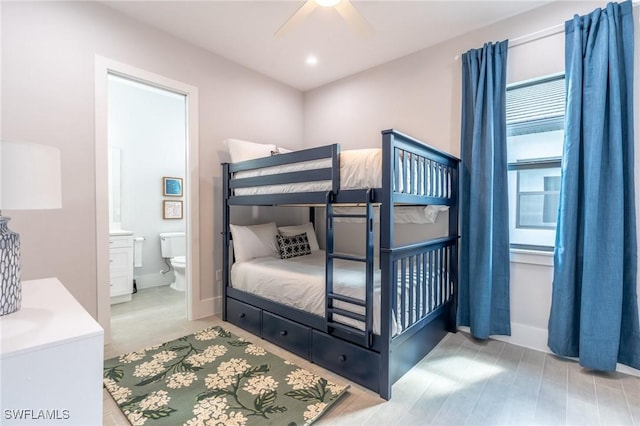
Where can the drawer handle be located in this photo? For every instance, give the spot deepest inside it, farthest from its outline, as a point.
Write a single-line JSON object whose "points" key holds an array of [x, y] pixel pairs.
{"points": [[342, 358], [283, 333], [242, 315]]}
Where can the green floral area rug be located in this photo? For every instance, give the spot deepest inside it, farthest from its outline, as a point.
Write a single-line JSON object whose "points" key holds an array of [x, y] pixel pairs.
{"points": [[213, 377]]}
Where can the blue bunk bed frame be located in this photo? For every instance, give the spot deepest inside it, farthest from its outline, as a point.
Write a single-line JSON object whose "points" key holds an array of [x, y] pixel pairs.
{"points": [[423, 276]]}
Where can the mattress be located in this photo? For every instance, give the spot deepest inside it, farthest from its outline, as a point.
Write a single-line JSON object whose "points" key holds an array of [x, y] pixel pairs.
{"points": [[299, 282]]}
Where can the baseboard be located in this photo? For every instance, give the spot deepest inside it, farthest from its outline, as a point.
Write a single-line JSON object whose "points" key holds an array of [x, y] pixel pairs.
{"points": [[217, 305], [527, 336], [152, 280], [205, 308], [621, 368], [536, 338]]}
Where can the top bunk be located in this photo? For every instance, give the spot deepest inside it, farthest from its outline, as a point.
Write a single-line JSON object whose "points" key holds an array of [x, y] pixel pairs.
{"points": [[404, 171]]}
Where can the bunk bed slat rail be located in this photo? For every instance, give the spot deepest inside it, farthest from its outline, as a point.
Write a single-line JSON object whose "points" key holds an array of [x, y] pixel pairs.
{"points": [[310, 154], [424, 280], [420, 176], [283, 178], [329, 173]]}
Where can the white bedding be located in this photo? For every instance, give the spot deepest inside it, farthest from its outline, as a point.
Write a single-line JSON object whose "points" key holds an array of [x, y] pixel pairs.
{"points": [[300, 282], [359, 168]]}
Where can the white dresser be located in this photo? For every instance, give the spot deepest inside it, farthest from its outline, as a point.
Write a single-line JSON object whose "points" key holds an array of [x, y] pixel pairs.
{"points": [[51, 360], [121, 266]]}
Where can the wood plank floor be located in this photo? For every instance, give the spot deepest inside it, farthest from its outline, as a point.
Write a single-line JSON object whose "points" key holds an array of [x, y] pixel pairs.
{"points": [[461, 382]]}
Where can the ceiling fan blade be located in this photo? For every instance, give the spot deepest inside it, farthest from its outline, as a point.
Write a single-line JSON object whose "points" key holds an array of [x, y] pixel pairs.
{"points": [[353, 18], [297, 18]]}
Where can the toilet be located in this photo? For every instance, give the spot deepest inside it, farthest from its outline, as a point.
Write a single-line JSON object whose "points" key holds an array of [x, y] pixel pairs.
{"points": [[173, 246]]}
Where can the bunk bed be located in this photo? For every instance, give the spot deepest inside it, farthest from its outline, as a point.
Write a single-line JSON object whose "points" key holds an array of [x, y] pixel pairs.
{"points": [[372, 332]]}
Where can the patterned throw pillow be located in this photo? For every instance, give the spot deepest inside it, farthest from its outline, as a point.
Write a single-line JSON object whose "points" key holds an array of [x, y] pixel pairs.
{"points": [[293, 246]]}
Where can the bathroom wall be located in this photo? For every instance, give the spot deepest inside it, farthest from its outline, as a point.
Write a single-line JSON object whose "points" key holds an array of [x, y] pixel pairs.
{"points": [[148, 125]]}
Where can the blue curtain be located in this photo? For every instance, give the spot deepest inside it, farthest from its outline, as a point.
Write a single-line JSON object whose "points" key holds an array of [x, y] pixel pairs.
{"points": [[594, 309], [483, 301]]}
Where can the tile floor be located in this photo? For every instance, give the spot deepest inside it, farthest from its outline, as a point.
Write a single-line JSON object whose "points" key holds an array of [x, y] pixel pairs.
{"points": [[461, 382]]}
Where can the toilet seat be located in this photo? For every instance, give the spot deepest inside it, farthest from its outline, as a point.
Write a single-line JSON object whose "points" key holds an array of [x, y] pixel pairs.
{"points": [[179, 261]]}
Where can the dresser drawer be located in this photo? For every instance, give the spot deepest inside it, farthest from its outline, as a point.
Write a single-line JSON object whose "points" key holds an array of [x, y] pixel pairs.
{"points": [[349, 360], [244, 316], [292, 336]]}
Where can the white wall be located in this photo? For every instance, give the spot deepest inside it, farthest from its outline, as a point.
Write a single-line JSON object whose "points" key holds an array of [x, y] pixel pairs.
{"points": [[47, 97], [48, 57], [148, 125], [420, 95]]}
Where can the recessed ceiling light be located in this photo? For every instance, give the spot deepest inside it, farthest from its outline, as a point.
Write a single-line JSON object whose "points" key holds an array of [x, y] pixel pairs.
{"points": [[327, 3], [312, 60]]}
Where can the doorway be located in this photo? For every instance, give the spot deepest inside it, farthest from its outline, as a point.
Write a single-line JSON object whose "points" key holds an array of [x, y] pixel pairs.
{"points": [[147, 163], [182, 210]]}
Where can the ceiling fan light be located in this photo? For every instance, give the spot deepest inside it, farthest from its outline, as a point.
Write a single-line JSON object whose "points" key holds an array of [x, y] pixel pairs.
{"points": [[327, 3]]}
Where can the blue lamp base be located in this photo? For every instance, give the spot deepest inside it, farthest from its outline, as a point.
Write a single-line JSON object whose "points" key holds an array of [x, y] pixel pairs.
{"points": [[10, 285]]}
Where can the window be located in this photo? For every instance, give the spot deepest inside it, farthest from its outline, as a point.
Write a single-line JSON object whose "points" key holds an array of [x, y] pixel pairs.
{"points": [[535, 134]]}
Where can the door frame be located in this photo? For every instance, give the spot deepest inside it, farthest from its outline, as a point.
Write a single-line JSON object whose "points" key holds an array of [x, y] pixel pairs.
{"points": [[103, 67]]}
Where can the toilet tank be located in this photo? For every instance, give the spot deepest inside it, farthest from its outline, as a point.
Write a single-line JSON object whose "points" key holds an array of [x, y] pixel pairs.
{"points": [[173, 244]]}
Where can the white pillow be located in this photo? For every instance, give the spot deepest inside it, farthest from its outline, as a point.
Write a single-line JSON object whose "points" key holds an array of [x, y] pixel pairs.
{"points": [[254, 241], [290, 231], [240, 150]]}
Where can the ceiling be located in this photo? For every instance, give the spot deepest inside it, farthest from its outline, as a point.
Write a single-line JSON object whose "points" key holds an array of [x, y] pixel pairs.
{"points": [[243, 31]]}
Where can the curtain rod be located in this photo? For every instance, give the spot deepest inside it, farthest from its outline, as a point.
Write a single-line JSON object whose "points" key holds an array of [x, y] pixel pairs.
{"points": [[556, 29], [528, 38], [547, 32]]}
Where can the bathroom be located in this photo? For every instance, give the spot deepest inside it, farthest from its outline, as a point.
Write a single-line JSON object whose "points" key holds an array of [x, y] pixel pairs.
{"points": [[147, 146]]}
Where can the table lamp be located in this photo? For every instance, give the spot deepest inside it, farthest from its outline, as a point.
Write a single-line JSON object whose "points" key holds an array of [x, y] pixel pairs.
{"points": [[29, 180]]}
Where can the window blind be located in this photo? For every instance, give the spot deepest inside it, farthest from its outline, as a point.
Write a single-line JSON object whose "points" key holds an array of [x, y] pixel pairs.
{"points": [[536, 106]]}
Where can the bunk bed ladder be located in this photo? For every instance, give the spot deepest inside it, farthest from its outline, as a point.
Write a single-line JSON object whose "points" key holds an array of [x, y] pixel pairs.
{"points": [[365, 335]]}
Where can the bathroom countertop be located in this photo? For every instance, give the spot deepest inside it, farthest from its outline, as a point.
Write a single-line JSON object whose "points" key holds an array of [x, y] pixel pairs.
{"points": [[117, 232]]}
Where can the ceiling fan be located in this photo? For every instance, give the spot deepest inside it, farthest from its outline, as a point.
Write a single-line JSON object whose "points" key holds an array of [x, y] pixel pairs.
{"points": [[344, 7]]}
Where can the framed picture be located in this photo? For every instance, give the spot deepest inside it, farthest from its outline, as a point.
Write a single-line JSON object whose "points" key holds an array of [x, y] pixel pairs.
{"points": [[172, 186], [172, 209]]}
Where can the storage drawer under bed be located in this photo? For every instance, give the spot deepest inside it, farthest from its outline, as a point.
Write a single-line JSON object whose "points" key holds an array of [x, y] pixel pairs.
{"points": [[244, 316], [292, 336], [349, 360]]}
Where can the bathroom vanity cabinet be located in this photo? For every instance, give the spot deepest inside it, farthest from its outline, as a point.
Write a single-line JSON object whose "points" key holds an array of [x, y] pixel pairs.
{"points": [[121, 266]]}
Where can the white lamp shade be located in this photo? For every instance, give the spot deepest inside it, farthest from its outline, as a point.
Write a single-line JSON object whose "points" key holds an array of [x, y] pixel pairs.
{"points": [[30, 176]]}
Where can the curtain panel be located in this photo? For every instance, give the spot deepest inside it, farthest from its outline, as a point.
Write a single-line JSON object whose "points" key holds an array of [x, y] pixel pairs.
{"points": [[594, 310], [484, 246]]}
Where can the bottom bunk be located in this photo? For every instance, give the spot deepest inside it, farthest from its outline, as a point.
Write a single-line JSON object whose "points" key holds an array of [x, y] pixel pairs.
{"points": [[283, 301]]}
